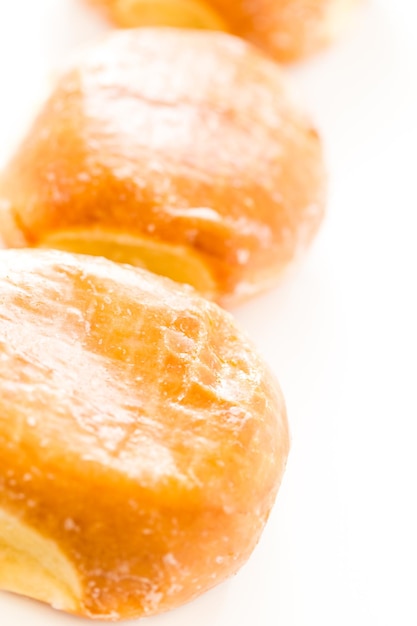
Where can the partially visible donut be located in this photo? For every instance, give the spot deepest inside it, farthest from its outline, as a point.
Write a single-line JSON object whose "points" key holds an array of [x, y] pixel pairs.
{"points": [[286, 29]]}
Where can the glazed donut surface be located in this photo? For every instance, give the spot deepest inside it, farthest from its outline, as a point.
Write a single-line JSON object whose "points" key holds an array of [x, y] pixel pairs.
{"points": [[177, 150], [142, 440]]}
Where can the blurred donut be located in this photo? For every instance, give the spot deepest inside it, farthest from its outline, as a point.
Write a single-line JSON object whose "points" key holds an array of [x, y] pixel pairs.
{"points": [[180, 151], [286, 29]]}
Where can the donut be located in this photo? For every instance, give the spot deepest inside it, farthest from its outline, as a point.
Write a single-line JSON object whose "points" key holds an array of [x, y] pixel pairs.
{"points": [[178, 151], [285, 29], [142, 439]]}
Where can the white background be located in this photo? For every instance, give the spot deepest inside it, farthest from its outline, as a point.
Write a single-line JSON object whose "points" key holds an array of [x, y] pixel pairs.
{"points": [[341, 547]]}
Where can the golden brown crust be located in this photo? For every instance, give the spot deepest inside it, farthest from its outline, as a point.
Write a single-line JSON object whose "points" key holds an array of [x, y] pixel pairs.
{"points": [[286, 29], [211, 156], [139, 431]]}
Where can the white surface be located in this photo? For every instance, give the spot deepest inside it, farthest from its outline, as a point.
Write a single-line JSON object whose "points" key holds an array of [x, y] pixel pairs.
{"points": [[341, 547]]}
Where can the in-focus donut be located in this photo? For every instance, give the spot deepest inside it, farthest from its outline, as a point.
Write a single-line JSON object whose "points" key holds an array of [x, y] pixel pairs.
{"points": [[142, 439]]}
